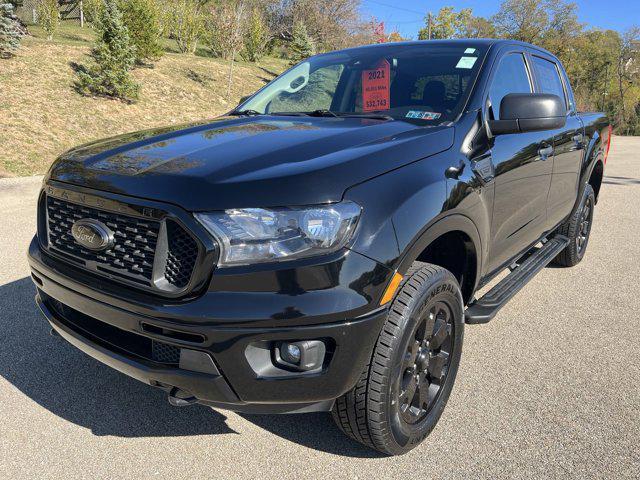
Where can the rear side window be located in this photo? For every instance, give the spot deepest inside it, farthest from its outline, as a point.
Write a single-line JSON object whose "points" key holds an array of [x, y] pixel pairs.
{"points": [[548, 77], [510, 77]]}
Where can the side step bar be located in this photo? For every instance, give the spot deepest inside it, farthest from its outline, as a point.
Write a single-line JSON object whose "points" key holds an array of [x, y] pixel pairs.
{"points": [[485, 308]]}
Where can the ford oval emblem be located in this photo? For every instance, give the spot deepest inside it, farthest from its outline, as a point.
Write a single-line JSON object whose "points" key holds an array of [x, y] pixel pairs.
{"points": [[92, 234]]}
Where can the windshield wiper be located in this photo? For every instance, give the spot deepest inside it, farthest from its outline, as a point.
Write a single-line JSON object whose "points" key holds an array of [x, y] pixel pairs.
{"points": [[330, 113], [248, 113], [375, 116]]}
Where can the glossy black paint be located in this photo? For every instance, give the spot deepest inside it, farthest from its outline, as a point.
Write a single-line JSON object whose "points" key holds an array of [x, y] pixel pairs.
{"points": [[492, 196]]}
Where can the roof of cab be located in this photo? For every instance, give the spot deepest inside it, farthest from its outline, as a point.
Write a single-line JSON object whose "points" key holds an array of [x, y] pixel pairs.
{"points": [[488, 42]]}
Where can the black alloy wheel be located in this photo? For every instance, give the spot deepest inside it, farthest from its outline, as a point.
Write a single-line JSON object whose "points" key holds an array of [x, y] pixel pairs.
{"points": [[402, 392], [426, 363]]}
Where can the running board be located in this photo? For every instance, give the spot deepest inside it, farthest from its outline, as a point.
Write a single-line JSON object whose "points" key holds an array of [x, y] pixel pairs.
{"points": [[485, 308]]}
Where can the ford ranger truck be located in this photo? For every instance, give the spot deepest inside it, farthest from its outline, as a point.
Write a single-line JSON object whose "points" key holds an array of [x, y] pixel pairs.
{"points": [[319, 248]]}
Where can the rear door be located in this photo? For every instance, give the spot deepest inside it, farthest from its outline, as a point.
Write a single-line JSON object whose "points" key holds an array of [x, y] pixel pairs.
{"points": [[522, 164], [567, 142]]}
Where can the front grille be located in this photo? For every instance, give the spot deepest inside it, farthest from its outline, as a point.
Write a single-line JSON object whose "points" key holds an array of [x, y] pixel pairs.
{"points": [[157, 253], [134, 249], [181, 257]]}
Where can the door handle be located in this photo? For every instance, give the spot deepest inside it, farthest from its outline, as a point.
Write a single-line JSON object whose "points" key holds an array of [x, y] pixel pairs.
{"points": [[545, 152]]}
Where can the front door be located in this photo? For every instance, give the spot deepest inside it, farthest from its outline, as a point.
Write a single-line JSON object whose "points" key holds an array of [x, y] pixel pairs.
{"points": [[523, 163]]}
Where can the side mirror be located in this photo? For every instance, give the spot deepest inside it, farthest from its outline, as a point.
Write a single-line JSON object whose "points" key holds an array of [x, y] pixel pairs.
{"points": [[529, 112]]}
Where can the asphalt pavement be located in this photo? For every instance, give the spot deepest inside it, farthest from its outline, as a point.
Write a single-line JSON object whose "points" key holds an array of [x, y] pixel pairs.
{"points": [[549, 389]]}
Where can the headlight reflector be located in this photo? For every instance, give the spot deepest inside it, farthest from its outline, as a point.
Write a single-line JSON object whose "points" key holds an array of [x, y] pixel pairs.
{"points": [[255, 235]]}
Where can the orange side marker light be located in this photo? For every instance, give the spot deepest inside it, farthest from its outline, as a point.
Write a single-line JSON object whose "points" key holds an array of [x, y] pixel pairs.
{"points": [[391, 288]]}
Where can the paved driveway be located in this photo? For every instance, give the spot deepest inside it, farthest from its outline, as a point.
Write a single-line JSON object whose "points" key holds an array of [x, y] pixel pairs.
{"points": [[550, 388]]}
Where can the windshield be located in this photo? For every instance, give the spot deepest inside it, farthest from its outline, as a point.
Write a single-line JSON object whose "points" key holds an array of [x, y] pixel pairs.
{"points": [[421, 82]]}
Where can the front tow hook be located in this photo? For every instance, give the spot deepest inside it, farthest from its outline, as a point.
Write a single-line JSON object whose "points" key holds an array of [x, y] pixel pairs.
{"points": [[182, 401]]}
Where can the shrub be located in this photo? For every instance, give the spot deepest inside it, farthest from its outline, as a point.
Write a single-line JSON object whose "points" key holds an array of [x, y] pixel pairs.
{"points": [[256, 41], [49, 17], [91, 9], [113, 56], [142, 19], [302, 45], [186, 24], [10, 31]]}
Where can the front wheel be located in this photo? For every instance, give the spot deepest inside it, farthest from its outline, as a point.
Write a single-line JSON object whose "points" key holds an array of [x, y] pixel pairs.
{"points": [[578, 229], [401, 394]]}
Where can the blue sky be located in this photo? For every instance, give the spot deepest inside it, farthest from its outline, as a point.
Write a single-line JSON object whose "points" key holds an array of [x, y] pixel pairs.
{"points": [[408, 15]]}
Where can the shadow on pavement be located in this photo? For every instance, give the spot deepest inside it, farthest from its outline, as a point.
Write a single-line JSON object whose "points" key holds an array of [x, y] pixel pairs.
{"points": [[81, 390], [78, 388]]}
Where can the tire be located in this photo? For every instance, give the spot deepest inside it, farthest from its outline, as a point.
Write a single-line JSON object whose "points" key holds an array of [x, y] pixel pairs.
{"points": [[422, 336], [577, 228]]}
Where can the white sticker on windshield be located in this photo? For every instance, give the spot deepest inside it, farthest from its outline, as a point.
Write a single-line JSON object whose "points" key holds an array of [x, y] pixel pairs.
{"points": [[470, 50], [466, 62]]}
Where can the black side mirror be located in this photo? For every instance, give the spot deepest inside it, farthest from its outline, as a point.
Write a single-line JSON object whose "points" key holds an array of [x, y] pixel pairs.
{"points": [[529, 112]]}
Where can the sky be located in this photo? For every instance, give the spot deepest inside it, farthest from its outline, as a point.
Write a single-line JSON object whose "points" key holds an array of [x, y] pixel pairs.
{"points": [[408, 15]]}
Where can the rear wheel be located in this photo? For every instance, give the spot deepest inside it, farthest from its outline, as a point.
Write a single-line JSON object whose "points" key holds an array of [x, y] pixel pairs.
{"points": [[403, 391], [577, 228]]}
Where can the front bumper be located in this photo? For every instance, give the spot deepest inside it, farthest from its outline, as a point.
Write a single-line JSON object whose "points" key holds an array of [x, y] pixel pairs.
{"points": [[239, 381]]}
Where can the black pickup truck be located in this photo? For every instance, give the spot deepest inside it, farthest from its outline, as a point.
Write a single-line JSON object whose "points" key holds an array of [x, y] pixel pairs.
{"points": [[319, 248]]}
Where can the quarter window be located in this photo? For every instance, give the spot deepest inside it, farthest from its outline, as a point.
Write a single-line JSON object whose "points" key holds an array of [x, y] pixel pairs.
{"points": [[510, 77], [548, 77]]}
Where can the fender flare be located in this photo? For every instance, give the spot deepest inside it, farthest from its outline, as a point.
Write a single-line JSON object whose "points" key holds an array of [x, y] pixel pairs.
{"points": [[449, 223], [593, 155]]}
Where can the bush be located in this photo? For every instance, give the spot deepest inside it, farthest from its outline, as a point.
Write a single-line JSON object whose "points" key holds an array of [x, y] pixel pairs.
{"points": [[256, 42], [113, 56], [49, 16], [302, 45], [142, 19], [186, 24], [10, 31], [91, 9]]}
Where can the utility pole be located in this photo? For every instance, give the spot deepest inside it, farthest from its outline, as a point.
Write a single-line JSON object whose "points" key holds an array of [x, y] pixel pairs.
{"points": [[429, 24], [81, 15]]}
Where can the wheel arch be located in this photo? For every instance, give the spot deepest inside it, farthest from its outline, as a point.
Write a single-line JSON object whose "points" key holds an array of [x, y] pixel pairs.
{"points": [[452, 242]]}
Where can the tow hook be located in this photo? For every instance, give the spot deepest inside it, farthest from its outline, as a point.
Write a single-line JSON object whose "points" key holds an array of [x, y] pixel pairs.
{"points": [[181, 401]]}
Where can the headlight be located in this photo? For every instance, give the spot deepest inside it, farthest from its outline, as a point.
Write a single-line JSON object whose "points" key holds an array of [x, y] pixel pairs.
{"points": [[252, 235]]}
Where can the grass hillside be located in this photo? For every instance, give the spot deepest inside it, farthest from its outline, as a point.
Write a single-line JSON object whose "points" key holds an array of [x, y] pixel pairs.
{"points": [[41, 115]]}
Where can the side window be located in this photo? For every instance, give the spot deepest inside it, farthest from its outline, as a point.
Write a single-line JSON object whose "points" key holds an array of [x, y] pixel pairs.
{"points": [[548, 77], [510, 77]]}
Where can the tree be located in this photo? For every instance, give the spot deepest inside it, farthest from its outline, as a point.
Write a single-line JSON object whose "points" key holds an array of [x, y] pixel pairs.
{"points": [[113, 56], [302, 45], [225, 25], [395, 37], [524, 20], [10, 31], [49, 17], [447, 24], [257, 37], [186, 24], [627, 79], [142, 19], [333, 24]]}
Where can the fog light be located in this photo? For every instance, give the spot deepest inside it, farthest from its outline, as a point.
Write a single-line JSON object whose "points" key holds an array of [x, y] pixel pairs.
{"points": [[292, 353], [307, 355]]}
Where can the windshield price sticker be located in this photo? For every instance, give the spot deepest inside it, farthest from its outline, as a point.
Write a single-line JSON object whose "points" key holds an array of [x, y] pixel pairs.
{"points": [[375, 87]]}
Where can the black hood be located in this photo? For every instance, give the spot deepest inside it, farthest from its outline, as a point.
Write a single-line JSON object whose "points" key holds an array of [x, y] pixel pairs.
{"points": [[249, 162]]}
